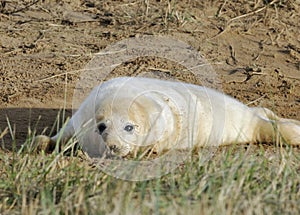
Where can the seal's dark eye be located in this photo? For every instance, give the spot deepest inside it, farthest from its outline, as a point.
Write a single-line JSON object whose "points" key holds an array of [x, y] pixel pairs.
{"points": [[128, 128]]}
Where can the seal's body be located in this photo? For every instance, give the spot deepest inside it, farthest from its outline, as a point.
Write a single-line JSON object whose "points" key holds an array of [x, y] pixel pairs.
{"points": [[128, 113]]}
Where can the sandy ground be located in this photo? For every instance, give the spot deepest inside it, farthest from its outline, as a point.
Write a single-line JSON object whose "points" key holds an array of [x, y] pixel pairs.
{"points": [[254, 47]]}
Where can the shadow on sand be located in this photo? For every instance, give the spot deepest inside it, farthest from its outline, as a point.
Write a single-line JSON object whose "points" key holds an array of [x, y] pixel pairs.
{"points": [[24, 121]]}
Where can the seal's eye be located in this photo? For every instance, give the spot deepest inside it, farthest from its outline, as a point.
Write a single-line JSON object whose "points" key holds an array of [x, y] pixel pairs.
{"points": [[129, 128]]}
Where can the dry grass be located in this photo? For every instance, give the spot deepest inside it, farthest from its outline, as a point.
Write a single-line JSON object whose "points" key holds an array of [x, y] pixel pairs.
{"points": [[237, 180]]}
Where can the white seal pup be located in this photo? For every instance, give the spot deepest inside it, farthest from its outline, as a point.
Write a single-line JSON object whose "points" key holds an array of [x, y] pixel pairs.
{"points": [[126, 113]]}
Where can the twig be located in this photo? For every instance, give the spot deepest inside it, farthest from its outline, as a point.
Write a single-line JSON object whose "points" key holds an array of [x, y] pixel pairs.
{"points": [[256, 100], [21, 9], [253, 12], [294, 78], [221, 8], [158, 69], [242, 16], [147, 7], [58, 75], [108, 53], [232, 54], [4, 133], [73, 72]]}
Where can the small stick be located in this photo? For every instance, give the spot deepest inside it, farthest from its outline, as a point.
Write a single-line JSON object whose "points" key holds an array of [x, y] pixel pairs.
{"points": [[21, 9], [294, 78], [242, 16], [253, 12], [4, 133], [221, 8], [256, 100]]}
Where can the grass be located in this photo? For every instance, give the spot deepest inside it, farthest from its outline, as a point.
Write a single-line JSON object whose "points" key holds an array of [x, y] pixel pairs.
{"points": [[237, 180]]}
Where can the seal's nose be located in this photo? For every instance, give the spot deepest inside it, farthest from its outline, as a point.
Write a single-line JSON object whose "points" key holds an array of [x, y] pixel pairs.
{"points": [[101, 128]]}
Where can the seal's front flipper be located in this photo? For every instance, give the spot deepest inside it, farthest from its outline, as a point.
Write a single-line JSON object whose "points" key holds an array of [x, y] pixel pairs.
{"points": [[48, 144], [44, 143]]}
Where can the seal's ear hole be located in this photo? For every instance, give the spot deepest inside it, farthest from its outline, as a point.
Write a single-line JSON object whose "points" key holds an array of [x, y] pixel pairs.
{"points": [[101, 128]]}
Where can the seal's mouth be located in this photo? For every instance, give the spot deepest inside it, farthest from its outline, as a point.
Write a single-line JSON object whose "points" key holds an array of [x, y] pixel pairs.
{"points": [[114, 149], [120, 150]]}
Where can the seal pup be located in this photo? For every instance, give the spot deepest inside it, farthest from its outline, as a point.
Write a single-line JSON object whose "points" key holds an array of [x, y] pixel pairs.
{"points": [[125, 114]]}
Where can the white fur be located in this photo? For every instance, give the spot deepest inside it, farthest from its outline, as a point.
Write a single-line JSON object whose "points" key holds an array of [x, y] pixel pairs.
{"points": [[169, 115]]}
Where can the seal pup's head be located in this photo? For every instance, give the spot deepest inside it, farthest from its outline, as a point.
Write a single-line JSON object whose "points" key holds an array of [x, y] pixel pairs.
{"points": [[130, 120]]}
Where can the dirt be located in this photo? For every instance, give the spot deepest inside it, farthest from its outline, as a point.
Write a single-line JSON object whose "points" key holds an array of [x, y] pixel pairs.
{"points": [[253, 46]]}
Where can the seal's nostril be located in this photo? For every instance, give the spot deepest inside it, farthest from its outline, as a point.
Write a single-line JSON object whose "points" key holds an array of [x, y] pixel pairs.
{"points": [[101, 128]]}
